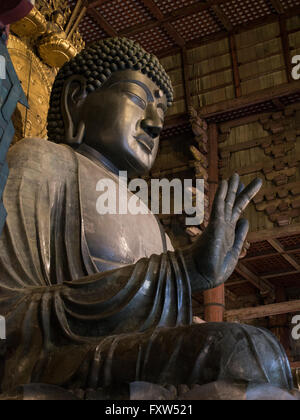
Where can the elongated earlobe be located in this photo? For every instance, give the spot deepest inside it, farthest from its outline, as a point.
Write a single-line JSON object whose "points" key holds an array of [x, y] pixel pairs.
{"points": [[74, 93]]}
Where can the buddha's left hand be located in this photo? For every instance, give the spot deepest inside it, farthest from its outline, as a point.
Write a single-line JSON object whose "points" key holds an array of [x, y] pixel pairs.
{"points": [[217, 251]]}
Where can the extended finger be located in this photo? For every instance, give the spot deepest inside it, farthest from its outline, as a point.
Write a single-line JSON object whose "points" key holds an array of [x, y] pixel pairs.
{"points": [[231, 195], [219, 201], [233, 255], [240, 189], [244, 198], [242, 229]]}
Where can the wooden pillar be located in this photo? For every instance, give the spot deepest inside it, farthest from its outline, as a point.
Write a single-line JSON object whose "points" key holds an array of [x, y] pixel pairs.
{"points": [[214, 304], [214, 300], [235, 66], [286, 48], [278, 324]]}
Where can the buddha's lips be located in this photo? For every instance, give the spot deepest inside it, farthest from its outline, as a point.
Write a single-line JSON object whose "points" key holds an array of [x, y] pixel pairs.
{"points": [[147, 142]]}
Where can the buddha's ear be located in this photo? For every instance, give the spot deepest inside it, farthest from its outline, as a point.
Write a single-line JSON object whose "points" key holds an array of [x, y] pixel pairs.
{"points": [[74, 95]]}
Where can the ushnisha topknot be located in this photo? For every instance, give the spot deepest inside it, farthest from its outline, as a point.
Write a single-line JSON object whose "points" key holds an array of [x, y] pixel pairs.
{"points": [[97, 63]]}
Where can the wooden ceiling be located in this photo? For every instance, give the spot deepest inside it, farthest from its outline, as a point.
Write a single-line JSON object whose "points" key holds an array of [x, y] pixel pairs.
{"points": [[166, 26], [269, 264]]}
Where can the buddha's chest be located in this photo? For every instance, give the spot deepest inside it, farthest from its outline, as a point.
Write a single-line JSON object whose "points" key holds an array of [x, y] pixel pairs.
{"points": [[114, 239]]}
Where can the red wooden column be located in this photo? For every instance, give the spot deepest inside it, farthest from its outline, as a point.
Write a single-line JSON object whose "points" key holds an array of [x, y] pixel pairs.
{"points": [[214, 300]]}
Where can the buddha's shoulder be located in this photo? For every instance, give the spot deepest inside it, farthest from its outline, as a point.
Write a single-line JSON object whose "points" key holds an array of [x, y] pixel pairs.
{"points": [[41, 153]]}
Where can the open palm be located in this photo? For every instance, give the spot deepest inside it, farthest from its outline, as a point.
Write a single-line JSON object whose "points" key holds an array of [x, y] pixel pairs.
{"points": [[216, 253]]}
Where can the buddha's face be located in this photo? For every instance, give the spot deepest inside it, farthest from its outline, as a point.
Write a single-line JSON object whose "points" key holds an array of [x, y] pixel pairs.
{"points": [[123, 121]]}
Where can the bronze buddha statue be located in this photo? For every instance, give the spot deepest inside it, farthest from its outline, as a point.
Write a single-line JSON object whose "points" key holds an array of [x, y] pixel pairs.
{"points": [[103, 303]]}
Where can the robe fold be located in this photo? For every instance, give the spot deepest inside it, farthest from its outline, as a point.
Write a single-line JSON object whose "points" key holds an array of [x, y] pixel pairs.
{"points": [[83, 320], [50, 285]]}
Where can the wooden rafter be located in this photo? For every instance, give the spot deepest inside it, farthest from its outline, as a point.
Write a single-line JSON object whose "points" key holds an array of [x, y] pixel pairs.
{"points": [[218, 11], [277, 6], [245, 314], [198, 7], [102, 22], [277, 245], [168, 18], [190, 10], [242, 28], [262, 285], [156, 12], [236, 283], [279, 275], [96, 3], [231, 296]]}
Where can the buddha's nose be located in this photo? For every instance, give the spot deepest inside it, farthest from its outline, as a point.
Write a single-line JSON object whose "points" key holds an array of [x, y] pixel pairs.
{"points": [[152, 124]]}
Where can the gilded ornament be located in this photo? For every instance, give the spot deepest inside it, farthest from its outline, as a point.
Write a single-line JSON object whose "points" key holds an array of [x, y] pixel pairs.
{"points": [[33, 25]]}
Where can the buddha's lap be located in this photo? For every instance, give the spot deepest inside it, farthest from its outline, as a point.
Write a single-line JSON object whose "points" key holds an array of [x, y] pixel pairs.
{"points": [[182, 355]]}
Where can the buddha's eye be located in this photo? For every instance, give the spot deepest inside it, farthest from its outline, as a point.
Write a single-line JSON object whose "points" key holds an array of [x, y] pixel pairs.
{"points": [[136, 99]]}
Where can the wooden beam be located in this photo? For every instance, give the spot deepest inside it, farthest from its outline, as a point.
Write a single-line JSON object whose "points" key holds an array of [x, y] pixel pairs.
{"points": [[259, 142], [286, 48], [177, 119], [156, 12], [258, 167], [251, 99], [142, 27], [262, 285], [245, 314], [185, 71], [169, 17], [278, 275], [236, 283], [277, 6], [223, 19], [295, 365], [277, 245], [275, 233], [231, 296], [96, 3], [278, 104], [235, 66], [102, 22]]}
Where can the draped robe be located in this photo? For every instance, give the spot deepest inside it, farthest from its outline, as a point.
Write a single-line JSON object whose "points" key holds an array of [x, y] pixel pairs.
{"points": [[79, 314]]}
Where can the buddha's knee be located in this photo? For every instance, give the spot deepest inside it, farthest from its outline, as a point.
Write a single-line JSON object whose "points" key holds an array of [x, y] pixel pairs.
{"points": [[253, 354]]}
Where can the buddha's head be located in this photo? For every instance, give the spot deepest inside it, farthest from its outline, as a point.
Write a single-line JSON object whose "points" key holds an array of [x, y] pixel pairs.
{"points": [[113, 97]]}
